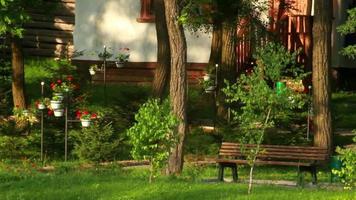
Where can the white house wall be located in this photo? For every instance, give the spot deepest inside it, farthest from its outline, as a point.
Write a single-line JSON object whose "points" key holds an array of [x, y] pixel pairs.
{"points": [[113, 23]]}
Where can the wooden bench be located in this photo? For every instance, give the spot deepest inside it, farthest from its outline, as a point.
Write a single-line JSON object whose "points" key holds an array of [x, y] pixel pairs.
{"points": [[305, 158]]}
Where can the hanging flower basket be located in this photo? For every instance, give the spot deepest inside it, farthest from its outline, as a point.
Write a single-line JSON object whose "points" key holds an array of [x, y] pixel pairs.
{"points": [[85, 122], [119, 64], [58, 95], [92, 72], [206, 77], [56, 104], [58, 112], [41, 106], [210, 89]]}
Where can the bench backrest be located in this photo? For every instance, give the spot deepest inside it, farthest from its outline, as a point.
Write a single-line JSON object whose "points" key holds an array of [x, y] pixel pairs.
{"points": [[277, 152]]}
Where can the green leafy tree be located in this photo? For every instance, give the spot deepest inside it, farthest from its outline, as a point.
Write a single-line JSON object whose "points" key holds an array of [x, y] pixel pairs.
{"points": [[152, 136], [349, 27], [13, 14], [263, 107]]}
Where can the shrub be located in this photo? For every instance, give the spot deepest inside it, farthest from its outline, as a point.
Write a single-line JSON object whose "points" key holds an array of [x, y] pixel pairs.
{"points": [[152, 136], [348, 169], [96, 143], [14, 145]]}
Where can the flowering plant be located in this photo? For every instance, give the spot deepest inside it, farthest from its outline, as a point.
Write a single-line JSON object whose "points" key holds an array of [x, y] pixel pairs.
{"points": [[63, 86], [123, 55], [85, 115], [23, 115], [43, 101]]}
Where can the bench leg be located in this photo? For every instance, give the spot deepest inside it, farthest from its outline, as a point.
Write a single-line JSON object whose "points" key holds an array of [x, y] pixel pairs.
{"points": [[311, 169], [221, 173], [233, 167], [313, 172], [234, 173]]}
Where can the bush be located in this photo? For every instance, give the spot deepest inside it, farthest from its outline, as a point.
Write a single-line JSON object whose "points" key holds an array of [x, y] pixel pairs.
{"points": [[348, 169], [152, 136], [97, 143], [13, 145]]}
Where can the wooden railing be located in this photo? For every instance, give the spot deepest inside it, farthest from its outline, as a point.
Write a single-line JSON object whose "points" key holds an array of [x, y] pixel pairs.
{"points": [[294, 32]]}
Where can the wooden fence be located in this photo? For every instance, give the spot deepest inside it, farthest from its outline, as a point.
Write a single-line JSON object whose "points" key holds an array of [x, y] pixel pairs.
{"points": [[294, 32]]}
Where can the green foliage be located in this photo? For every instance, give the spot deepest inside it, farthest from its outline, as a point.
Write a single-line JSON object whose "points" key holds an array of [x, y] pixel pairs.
{"points": [[199, 143], [277, 62], [13, 144], [5, 89], [348, 169], [152, 135], [13, 15], [96, 143], [257, 94], [262, 107], [349, 27]]}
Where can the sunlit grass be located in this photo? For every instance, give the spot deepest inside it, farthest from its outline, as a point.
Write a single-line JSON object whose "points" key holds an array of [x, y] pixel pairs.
{"points": [[117, 183]]}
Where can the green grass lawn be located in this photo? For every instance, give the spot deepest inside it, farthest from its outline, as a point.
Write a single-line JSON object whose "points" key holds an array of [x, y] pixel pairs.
{"points": [[117, 183]]}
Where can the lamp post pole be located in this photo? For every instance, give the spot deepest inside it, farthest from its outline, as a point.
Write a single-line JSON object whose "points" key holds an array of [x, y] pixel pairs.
{"points": [[42, 95], [309, 112], [216, 95], [104, 66]]}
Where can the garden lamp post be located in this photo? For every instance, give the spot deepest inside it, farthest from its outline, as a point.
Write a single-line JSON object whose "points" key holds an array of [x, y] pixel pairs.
{"points": [[104, 66], [310, 110], [42, 95]]}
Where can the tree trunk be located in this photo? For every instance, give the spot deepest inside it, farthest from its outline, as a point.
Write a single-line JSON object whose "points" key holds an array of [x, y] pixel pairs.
{"points": [[216, 45], [227, 69], [178, 82], [162, 71], [228, 53], [18, 73], [321, 73]]}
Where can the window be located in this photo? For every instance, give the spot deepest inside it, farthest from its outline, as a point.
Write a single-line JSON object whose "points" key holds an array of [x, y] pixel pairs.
{"points": [[147, 12]]}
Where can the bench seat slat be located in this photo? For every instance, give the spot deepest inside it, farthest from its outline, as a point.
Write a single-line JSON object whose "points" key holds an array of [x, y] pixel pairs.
{"points": [[288, 157], [278, 150], [264, 162], [274, 146], [267, 153]]}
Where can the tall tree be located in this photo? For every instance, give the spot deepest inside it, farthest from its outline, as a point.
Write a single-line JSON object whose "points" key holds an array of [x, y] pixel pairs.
{"points": [[162, 71], [321, 73], [178, 81], [12, 17]]}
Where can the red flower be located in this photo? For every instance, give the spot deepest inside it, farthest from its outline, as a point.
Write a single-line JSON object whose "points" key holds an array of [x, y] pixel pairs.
{"points": [[59, 81], [70, 78], [50, 112], [78, 114], [53, 85], [93, 116], [85, 112]]}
